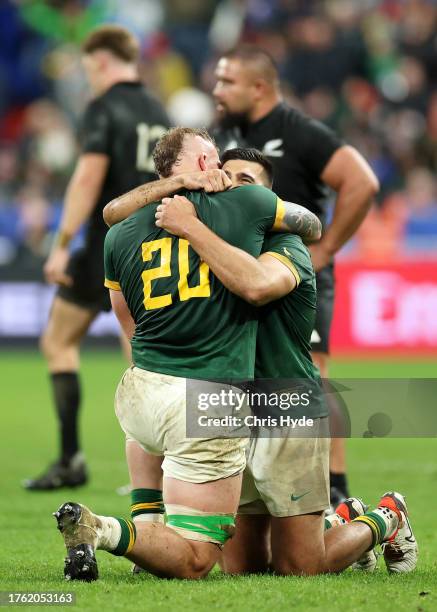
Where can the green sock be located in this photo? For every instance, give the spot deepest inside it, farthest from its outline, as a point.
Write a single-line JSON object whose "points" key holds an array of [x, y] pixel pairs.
{"points": [[146, 501], [376, 524], [127, 538]]}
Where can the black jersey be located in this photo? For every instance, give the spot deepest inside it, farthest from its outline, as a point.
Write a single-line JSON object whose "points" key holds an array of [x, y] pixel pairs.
{"points": [[298, 147], [125, 124]]}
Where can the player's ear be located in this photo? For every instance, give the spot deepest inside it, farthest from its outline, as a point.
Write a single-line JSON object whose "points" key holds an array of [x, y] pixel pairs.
{"points": [[259, 89], [202, 162], [103, 59]]}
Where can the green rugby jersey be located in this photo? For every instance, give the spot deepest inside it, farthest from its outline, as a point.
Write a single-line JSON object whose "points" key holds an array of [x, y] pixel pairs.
{"points": [[187, 323], [285, 325]]}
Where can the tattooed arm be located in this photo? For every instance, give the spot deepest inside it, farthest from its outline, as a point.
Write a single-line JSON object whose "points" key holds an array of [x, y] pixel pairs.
{"points": [[300, 221], [122, 207]]}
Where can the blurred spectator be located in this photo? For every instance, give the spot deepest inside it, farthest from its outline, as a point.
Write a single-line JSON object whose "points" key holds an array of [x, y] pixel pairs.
{"points": [[321, 56], [24, 261], [418, 203], [9, 167]]}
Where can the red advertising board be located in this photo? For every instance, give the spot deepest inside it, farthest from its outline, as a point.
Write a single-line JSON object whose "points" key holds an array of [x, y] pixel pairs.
{"points": [[386, 308]]}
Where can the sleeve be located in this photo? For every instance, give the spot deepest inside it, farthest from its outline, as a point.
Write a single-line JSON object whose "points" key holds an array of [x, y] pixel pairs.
{"points": [[95, 131], [290, 250], [260, 206], [317, 143], [111, 279]]}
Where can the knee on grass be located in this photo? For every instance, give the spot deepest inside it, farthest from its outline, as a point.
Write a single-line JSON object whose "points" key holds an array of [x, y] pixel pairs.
{"points": [[299, 567]]}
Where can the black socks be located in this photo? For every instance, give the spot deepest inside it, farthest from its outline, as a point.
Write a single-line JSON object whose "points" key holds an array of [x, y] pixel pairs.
{"points": [[66, 393]]}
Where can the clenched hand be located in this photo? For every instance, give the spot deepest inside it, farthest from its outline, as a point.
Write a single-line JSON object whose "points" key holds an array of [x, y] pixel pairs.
{"points": [[211, 181], [175, 215]]}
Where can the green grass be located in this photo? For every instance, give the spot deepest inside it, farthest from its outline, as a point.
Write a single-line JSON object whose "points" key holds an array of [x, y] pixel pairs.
{"points": [[31, 550]]}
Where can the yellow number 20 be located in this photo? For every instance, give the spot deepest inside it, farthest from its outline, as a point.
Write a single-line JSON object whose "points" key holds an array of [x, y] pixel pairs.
{"points": [[202, 290]]}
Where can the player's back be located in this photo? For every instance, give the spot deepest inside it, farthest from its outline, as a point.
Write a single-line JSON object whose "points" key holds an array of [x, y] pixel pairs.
{"points": [[124, 123], [187, 323]]}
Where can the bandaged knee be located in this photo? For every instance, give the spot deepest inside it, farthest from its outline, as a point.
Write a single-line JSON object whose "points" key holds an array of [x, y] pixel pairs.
{"points": [[194, 524]]}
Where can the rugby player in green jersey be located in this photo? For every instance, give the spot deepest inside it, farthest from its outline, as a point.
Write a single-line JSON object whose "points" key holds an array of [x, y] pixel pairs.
{"points": [[269, 499], [281, 522], [158, 286]]}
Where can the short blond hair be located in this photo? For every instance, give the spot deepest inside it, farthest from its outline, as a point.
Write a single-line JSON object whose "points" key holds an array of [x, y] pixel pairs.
{"points": [[169, 147]]}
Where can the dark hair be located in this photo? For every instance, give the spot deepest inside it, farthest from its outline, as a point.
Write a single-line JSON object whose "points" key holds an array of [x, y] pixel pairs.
{"points": [[169, 147], [250, 155], [113, 38], [256, 55]]}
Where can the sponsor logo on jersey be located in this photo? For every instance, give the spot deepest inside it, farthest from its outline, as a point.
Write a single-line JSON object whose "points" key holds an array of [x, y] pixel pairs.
{"points": [[232, 144], [271, 148], [315, 336]]}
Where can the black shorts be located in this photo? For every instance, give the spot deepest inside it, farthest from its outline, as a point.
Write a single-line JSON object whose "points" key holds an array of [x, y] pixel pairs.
{"points": [[325, 306], [87, 291]]}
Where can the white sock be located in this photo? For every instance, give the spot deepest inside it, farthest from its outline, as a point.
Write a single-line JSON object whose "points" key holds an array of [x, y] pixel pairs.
{"points": [[157, 517], [109, 533], [390, 518]]}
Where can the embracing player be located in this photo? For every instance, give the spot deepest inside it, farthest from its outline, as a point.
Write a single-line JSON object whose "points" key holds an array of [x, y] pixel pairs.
{"points": [[307, 158], [278, 466], [183, 324], [280, 523]]}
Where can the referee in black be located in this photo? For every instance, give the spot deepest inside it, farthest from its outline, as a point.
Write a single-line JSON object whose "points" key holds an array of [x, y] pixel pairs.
{"points": [[307, 158], [120, 128]]}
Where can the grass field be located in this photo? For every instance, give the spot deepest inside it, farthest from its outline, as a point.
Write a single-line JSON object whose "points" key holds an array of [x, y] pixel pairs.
{"points": [[31, 551]]}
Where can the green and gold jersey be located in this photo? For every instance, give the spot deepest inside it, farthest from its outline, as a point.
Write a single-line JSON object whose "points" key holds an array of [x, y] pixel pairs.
{"points": [[187, 323], [285, 325]]}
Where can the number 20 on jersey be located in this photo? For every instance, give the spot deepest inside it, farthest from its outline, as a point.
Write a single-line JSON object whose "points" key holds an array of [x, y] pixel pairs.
{"points": [[164, 245]]}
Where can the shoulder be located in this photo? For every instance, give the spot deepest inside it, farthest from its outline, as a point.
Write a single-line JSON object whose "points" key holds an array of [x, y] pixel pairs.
{"points": [[121, 234], [289, 241], [250, 191], [112, 235], [300, 120], [96, 108], [152, 103], [150, 96], [99, 103], [292, 247]]}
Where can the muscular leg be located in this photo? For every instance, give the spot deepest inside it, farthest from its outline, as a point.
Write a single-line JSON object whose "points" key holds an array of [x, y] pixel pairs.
{"points": [[337, 459], [301, 547], [144, 469], [187, 547], [163, 551], [248, 552], [60, 343]]}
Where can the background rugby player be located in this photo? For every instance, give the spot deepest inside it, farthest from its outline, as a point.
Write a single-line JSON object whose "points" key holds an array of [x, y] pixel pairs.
{"points": [[120, 128]]}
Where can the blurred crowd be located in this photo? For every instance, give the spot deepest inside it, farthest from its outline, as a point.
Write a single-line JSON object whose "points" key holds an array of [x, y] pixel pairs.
{"points": [[367, 68]]}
